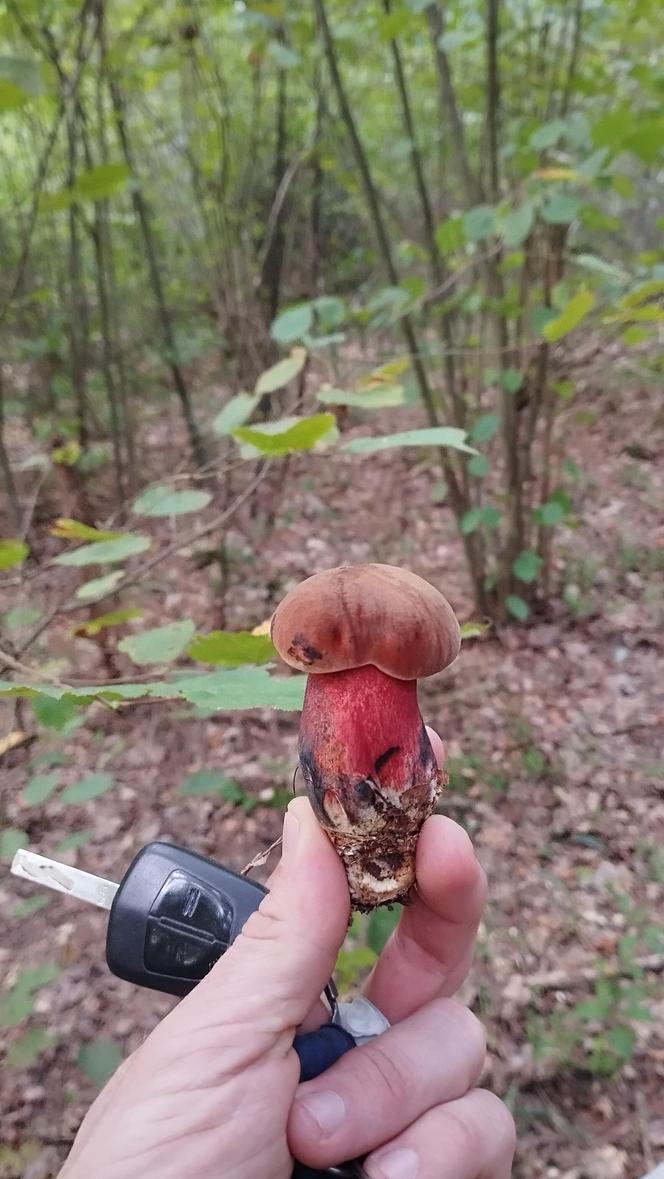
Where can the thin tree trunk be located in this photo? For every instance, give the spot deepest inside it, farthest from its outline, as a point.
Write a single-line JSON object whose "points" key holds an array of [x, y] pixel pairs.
{"points": [[144, 219], [5, 464], [452, 119], [115, 335], [96, 232], [317, 186], [458, 501], [78, 308], [436, 263], [274, 256], [493, 99]]}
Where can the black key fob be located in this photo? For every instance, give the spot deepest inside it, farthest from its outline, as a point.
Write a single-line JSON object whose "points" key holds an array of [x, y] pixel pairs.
{"points": [[174, 914]]}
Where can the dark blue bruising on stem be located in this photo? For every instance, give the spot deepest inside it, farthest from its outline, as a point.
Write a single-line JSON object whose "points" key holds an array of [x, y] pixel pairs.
{"points": [[384, 757]]}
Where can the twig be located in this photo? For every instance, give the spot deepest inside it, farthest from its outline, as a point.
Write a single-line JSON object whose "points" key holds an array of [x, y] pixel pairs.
{"points": [[138, 574], [561, 980], [277, 206], [16, 665], [31, 507], [260, 858]]}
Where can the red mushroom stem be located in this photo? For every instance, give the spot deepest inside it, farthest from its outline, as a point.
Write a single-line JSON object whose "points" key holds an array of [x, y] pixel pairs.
{"points": [[368, 765]]}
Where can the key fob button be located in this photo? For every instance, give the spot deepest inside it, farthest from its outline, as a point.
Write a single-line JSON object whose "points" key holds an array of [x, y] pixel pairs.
{"points": [[188, 928], [195, 905], [179, 953]]}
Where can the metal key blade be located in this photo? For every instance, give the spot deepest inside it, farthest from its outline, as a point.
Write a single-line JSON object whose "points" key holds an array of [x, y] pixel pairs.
{"points": [[60, 877]]}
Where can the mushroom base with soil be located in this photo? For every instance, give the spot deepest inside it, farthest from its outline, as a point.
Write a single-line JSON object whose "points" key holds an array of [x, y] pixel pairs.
{"points": [[371, 775]]}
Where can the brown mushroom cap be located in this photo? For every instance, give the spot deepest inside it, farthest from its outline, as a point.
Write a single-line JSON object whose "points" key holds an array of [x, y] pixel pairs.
{"points": [[366, 614]]}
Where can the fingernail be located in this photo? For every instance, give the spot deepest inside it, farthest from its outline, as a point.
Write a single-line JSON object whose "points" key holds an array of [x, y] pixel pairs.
{"points": [[289, 836], [327, 1109], [402, 1163]]}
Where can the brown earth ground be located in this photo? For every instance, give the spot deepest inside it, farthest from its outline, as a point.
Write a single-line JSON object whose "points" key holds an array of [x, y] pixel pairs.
{"points": [[556, 760]]}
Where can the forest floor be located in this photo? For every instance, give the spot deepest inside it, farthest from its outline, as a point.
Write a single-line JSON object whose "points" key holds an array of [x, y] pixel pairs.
{"points": [[554, 735]]}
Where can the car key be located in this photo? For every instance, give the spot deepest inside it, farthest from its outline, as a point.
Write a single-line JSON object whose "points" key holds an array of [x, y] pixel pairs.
{"points": [[171, 917]]}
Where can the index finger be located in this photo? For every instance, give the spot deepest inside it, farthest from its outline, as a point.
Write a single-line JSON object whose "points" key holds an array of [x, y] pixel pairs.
{"points": [[430, 951]]}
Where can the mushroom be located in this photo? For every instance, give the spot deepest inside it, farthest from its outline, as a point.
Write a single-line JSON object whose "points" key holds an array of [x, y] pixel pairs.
{"points": [[366, 634]]}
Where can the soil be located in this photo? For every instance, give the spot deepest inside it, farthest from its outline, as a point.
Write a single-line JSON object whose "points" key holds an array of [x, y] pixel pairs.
{"points": [[556, 759]]}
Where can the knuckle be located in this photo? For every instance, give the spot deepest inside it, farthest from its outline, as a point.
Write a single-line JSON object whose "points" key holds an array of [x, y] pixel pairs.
{"points": [[383, 1076], [501, 1121], [471, 1035], [462, 1132]]}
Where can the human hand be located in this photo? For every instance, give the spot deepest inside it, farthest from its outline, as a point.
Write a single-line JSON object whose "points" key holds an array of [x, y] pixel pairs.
{"points": [[215, 1088]]}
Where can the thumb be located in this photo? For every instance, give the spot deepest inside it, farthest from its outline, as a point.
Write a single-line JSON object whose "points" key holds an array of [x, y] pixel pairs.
{"points": [[276, 969]]}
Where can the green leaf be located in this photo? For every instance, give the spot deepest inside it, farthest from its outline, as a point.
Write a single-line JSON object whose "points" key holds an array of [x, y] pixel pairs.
{"points": [[24, 72], [560, 209], [99, 585], [19, 1002], [540, 316], [548, 134], [11, 839], [518, 224], [450, 436], [20, 80], [623, 1040], [517, 607], [474, 630], [73, 840], [44, 761], [162, 644], [53, 714], [29, 906], [55, 202], [99, 1060], [600, 266], [282, 55], [351, 964], [11, 96], [479, 223], [232, 648], [382, 922], [527, 566], [88, 788], [106, 552], [67, 529], [212, 782], [21, 617], [564, 389], [103, 181], [16, 1006], [12, 552], [331, 311], [477, 516], [281, 373], [240, 688], [511, 380], [163, 501], [68, 454], [22, 1052], [235, 413], [643, 292], [94, 626], [379, 397], [450, 235], [41, 787], [296, 434], [550, 513], [484, 427], [292, 324], [478, 466], [570, 317]]}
